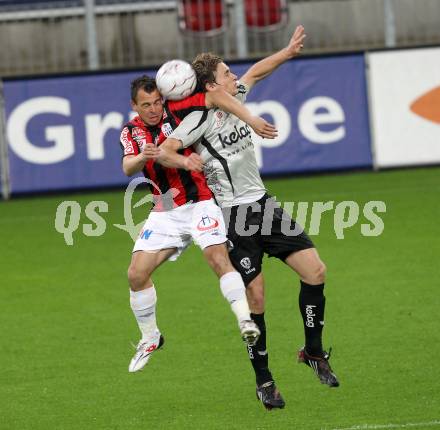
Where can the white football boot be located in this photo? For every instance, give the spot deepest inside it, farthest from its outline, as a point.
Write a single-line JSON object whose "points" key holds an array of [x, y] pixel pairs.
{"points": [[249, 332], [144, 350]]}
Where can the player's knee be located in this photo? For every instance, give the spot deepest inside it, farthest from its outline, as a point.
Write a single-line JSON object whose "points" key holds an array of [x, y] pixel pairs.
{"points": [[255, 297], [218, 261], [256, 303], [221, 266], [319, 274], [136, 278]]}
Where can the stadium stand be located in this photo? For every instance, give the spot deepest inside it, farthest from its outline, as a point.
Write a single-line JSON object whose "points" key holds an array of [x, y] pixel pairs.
{"points": [[38, 34]]}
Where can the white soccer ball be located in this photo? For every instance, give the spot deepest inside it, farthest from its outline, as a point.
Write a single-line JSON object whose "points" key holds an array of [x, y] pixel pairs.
{"points": [[176, 79]]}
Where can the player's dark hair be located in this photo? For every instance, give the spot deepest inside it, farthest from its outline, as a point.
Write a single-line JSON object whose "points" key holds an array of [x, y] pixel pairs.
{"points": [[143, 82], [205, 65]]}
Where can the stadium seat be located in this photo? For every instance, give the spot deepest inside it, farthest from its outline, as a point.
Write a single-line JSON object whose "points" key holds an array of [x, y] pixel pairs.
{"points": [[265, 15], [203, 17]]}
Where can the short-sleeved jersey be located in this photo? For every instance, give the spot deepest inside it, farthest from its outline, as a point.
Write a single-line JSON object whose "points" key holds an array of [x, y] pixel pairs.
{"points": [[224, 142], [188, 186]]}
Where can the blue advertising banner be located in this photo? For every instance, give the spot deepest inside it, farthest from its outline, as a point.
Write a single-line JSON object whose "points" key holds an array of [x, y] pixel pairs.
{"points": [[63, 133], [320, 108]]}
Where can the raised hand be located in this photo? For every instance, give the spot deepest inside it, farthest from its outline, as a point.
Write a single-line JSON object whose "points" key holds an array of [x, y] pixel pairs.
{"points": [[263, 128], [296, 43]]}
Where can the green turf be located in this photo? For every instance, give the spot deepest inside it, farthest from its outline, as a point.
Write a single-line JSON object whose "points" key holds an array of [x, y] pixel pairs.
{"points": [[66, 325]]}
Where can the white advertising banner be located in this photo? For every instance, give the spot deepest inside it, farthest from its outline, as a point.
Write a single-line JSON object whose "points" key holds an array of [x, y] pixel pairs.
{"points": [[404, 89]]}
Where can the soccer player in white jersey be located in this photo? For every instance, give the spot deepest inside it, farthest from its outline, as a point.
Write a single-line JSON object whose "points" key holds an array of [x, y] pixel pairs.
{"points": [[225, 145]]}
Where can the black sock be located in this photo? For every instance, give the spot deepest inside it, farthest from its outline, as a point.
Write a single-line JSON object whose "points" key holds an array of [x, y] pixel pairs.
{"points": [[312, 305], [258, 353]]}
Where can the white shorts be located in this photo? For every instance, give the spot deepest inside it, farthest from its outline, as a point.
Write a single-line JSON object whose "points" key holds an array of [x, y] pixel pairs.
{"points": [[201, 222]]}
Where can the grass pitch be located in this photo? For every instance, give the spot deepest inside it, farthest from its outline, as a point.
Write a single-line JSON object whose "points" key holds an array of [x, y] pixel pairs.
{"points": [[66, 325]]}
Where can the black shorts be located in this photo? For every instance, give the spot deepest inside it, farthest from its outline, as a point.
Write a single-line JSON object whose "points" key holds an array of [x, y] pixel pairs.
{"points": [[259, 228]]}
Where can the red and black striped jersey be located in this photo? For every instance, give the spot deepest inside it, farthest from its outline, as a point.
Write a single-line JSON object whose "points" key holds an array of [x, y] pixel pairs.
{"points": [[185, 186]]}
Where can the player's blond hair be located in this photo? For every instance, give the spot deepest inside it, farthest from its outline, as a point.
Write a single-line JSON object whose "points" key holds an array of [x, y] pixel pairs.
{"points": [[205, 65]]}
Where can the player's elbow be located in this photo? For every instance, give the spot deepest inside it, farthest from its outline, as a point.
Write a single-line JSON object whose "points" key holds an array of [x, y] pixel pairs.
{"points": [[127, 171], [127, 166]]}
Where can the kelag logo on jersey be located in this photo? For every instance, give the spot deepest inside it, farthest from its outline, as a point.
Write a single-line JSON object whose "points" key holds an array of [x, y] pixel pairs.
{"points": [[235, 136], [63, 133]]}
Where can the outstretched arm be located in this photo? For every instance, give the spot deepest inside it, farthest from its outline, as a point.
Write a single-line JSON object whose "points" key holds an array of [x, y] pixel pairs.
{"points": [[223, 100], [267, 65], [132, 164], [169, 157], [189, 131]]}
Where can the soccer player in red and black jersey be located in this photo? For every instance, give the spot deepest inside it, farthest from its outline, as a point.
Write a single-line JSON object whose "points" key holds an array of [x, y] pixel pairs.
{"points": [[184, 210], [142, 137]]}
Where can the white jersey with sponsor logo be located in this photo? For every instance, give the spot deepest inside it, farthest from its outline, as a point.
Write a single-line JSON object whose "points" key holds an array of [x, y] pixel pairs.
{"points": [[224, 142]]}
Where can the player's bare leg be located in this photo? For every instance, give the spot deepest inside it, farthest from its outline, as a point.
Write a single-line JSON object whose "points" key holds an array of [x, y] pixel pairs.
{"points": [[233, 289], [311, 270], [308, 265], [143, 303], [266, 391]]}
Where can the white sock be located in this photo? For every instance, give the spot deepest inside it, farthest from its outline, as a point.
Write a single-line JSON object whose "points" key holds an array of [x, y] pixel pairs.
{"points": [[234, 291], [143, 305]]}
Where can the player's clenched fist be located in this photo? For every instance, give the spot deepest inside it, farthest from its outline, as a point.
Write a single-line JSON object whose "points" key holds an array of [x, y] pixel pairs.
{"points": [[150, 151], [194, 162]]}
